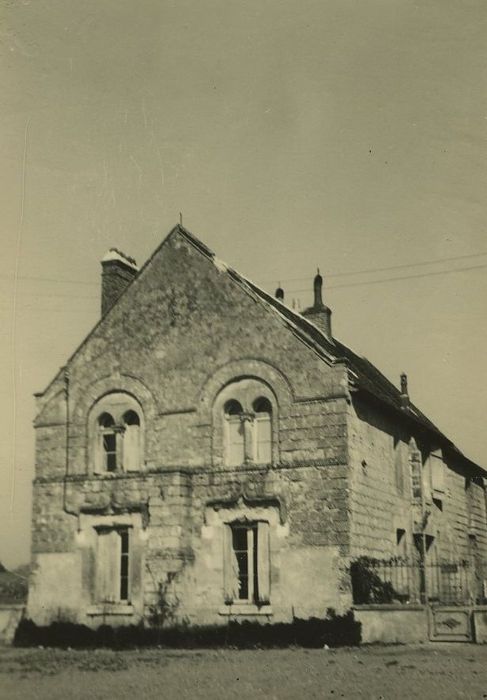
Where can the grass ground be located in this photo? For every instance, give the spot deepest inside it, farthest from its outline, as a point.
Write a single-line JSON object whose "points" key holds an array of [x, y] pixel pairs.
{"points": [[431, 671]]}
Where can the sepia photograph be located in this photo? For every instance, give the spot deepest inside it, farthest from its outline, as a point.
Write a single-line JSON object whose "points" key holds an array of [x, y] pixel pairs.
{"points": [[243, 327]]}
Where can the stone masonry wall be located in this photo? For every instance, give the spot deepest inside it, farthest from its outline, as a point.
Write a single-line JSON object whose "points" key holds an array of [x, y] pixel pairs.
{"points": [[181, 333], [307, 572], [381, 503], [181, 323], [380, 498]]}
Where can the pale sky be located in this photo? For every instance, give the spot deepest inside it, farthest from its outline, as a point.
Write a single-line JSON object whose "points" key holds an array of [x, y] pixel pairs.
{"points": [[345, 134]]}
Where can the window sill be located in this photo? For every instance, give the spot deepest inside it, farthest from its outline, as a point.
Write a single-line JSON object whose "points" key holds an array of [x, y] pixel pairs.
{"points": [[245, 609], [110, 609]]}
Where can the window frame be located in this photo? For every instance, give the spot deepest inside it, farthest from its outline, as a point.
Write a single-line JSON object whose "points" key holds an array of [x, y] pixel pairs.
{"points": [[250, 579], [258, 427], [128, 420], [118, 561], [258, 563]]}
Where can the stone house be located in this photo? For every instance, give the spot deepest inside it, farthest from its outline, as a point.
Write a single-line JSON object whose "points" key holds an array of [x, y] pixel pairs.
{"points": [[208, 444]]}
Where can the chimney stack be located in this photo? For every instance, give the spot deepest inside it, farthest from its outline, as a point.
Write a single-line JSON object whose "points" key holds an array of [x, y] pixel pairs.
{"points": [[118, 270], [319, 314], [280, 293]]}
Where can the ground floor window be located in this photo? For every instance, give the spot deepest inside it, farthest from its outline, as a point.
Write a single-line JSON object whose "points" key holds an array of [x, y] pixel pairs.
{"points": [[247, 562], [113, 565]]}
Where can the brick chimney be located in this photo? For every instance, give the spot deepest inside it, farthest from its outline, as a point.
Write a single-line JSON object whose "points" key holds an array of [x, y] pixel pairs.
{"points": [[319, 314], [118, 270]]}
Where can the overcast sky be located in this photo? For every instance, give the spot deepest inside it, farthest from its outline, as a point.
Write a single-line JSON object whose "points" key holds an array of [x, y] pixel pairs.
{"points": [[349, 134]]}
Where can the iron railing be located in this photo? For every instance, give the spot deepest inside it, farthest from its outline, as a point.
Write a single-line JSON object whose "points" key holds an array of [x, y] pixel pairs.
{"points": [[398, 580]]}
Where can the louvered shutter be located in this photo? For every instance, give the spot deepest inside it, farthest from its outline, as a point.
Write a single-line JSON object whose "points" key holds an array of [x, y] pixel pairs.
{"points": [[263, 563]]}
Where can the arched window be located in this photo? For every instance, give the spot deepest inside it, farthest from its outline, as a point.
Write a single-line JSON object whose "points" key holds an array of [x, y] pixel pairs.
{"points": [[235, 436], [108, 443], [116, 434], [262, 431], [246, 408], [131, 441]]}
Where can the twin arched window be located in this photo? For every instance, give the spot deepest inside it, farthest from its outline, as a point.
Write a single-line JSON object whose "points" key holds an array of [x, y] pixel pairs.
{"points": [[117, 438], [248, 433]]}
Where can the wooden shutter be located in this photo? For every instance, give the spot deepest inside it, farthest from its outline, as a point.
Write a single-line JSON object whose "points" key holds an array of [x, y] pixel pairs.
{"points": [[263, 438], [416, 466], [235, 441], [98, 453], [230, 567], [131, 448], [398, 466], [108, 566], [263, 563], [437, 467]]}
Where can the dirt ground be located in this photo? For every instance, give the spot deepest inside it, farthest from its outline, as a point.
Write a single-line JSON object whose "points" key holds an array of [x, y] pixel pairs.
{"points": [[430, 671]]}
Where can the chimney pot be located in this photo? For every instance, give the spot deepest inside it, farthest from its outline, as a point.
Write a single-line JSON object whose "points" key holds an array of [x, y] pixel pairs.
{"points": [[319, 313], [318, 287], [280, 293], [404, 390], [404, 383]]}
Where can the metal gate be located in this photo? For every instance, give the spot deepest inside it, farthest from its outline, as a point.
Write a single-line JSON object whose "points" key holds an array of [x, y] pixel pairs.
{"points": [[450, 623], [450, 597], [449, 590]]}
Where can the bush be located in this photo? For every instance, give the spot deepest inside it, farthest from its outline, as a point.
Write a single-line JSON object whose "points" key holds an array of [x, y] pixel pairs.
{"points": [[334, 630], [367, 586], [13, 588]]}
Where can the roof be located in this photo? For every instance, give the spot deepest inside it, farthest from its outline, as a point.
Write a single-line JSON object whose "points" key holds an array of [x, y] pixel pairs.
{"points": [[368, 379]]}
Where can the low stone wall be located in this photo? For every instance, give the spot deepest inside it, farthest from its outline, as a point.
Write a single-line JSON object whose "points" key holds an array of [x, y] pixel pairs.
{"points": [[392, 624], [10, 616]]}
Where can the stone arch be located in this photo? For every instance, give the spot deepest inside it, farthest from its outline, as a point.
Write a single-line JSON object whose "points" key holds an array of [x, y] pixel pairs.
{"points": [[120, 416], [123, 383], [275, 388], [81, 410], [234, 370]]}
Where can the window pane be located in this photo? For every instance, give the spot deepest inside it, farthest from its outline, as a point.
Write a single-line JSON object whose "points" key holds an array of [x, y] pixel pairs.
{"points": [[110, 448], [233, 408], [106, 420], [244, 543], [262, 405], [109, 442], [239, 539], [131, 418], [111, 461], [124, 565], [241, 553]]}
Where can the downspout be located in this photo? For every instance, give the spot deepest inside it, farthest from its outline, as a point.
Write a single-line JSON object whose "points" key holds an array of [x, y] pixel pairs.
{"points": [[66, 445]]}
